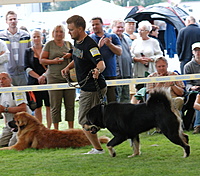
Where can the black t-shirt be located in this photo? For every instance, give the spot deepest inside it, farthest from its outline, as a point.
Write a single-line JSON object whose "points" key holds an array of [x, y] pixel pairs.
{"points": [[86, 56]]}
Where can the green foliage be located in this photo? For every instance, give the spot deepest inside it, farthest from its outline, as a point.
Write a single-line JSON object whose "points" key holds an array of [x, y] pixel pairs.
{"points": [[46, 6], [66, 5]]}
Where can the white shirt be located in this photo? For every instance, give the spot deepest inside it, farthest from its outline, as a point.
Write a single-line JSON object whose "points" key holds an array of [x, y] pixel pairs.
{"points": [[150, 48], [7, 100]]}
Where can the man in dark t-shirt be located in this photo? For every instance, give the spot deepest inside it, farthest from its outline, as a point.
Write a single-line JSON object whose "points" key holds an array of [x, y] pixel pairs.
{"points": [[86, 56]]}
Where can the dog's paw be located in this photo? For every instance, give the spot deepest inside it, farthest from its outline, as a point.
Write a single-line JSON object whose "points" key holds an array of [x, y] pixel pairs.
{"points": [[111, 151], [133, 155]]}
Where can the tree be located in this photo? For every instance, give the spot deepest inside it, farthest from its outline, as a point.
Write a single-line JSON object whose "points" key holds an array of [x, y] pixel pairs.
{"points": [[66, 5], [61, 6]]}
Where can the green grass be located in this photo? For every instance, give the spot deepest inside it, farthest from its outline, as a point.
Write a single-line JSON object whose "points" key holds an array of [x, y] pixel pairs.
{"points": [[159, 157]]}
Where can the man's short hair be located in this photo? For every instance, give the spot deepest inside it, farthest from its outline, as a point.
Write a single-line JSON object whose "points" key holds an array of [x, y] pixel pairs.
{"points": [[7, 74], [77, 20], [191, 19], [97, 18], [10, 13], [115, 22], [161, 58]]}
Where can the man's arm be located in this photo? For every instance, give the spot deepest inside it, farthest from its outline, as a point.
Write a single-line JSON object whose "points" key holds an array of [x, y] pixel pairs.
{"points": [[116, 49], [197, 103], [177, 90], [13, 110], [99, 69], [179, 43], [4, 54], [67, 68]]}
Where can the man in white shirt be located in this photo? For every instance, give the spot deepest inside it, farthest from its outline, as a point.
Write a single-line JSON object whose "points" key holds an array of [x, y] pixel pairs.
{"points": [[10, 104]]}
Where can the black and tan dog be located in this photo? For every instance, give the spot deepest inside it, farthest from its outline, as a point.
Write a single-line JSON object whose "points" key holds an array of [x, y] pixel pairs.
{"points": [[127, 121]]}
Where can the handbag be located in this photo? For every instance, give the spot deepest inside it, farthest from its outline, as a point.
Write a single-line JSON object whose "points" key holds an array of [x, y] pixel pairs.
{"points": [[31, 100], [72, 74]]}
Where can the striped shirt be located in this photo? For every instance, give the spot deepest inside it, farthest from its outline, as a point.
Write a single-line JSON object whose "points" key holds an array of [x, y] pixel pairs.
{"points": [[16, 44]]}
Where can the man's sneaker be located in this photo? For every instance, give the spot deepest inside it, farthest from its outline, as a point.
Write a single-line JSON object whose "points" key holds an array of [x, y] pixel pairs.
{"points": [[95, 151], [196, 130]]}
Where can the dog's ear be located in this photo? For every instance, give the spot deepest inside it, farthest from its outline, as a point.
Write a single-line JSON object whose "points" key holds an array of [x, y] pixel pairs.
{"points": [[95, 115], [21, 119]]}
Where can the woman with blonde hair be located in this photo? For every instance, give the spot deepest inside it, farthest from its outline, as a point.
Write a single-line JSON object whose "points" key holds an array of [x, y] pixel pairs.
{"points": [[57, 54]]}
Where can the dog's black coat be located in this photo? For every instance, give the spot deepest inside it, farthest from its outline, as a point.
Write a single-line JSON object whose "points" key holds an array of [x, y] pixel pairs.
{"points": [[127, 121]]}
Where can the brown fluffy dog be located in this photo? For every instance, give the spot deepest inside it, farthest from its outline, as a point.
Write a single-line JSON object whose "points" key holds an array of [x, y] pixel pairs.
{"points": [[33, 134]]}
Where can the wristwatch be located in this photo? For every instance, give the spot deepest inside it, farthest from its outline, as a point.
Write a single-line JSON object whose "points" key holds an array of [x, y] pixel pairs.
{"points": [[98, 70], [6, 110]]}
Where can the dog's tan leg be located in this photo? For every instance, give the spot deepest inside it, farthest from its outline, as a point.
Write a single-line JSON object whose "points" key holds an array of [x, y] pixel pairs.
{"points": [[111, 151], [6, 148], [136, 147]]}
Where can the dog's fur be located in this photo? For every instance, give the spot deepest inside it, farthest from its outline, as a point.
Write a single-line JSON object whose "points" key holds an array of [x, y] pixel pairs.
{"points": [[127, 121], [32, 134]]}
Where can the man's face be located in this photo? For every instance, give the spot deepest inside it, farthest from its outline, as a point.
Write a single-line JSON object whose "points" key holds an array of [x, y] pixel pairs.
{"points": [[118, 29], [12, 21], [97, 26], [196, 53], [73, 31], [5, 81], [161, 67], [130, 27]]}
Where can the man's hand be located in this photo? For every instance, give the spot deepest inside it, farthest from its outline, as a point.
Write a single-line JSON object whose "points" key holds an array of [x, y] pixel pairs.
{"points": [[194, 88], [2, 108], [96, 73], [2, 52], [65, 72], [105, 40]]}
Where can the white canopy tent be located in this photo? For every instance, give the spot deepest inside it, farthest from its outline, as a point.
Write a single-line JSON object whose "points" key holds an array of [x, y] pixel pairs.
{"points": [[107, 11]]}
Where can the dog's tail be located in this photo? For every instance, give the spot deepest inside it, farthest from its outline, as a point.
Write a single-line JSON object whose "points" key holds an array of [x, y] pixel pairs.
{"points": [[159, 97], [104, 139]]}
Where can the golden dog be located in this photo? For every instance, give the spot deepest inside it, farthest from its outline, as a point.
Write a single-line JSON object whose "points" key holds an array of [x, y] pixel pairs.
{"points": [[32, 134]]}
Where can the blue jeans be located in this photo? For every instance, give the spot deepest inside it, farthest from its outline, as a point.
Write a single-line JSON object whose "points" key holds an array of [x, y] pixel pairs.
{"points": [[197, 118]]}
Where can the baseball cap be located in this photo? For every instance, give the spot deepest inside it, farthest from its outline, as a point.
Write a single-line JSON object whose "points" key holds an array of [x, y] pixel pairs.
{"points": [[195, 45], [129, 20]]}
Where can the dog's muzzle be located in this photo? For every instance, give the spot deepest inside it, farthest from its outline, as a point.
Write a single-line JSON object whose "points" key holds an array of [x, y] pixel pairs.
{"points": [[92, 128], [13, 126]]}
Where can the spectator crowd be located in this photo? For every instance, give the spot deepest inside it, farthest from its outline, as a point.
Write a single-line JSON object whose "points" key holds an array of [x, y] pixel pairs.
{"points": [[129, 49]]}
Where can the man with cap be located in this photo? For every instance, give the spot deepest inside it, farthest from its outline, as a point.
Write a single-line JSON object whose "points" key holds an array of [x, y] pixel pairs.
{"points": [[130, 25], [193, 86]]}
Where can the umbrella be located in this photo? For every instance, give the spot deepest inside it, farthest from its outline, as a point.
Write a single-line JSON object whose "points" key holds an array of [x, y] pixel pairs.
{"points": [[171, 14]]}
